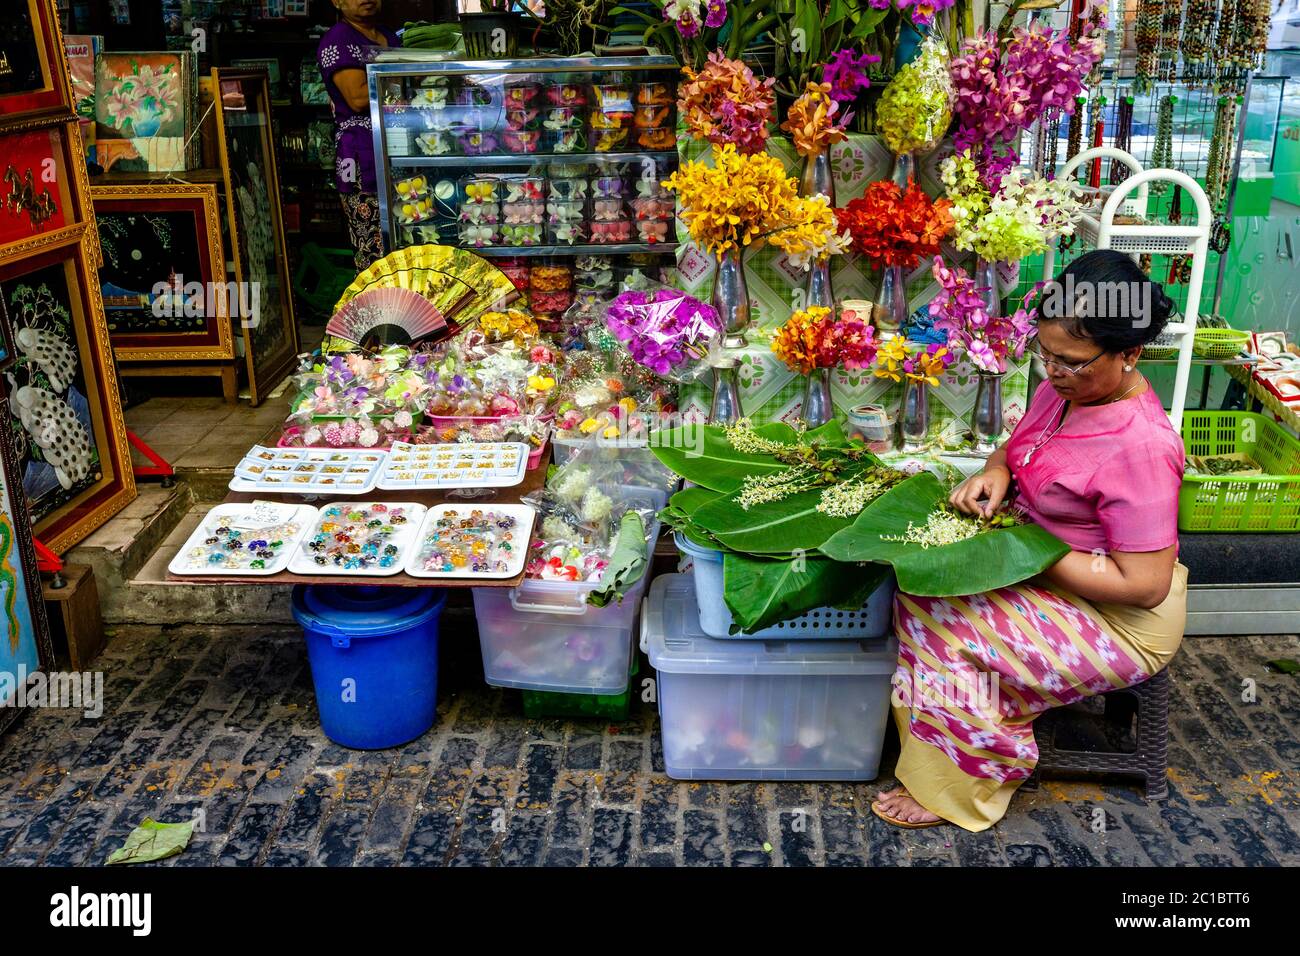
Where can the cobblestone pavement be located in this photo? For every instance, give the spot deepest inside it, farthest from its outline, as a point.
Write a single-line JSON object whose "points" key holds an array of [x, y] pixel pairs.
{"points": [[224, 720]]}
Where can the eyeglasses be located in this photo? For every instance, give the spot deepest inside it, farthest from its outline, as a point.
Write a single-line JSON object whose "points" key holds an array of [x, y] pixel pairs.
{"points": [[1038, 350]]}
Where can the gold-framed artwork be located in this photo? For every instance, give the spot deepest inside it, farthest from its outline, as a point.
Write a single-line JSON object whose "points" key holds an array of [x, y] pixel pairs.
{"points": [[44, 188], [163, 278], [61, 401], [34, 84], [246, 147]]}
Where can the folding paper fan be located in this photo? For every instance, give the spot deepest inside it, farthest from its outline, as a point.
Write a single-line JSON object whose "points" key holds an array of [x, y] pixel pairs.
{"points": [[387, 315], [461, 285]]}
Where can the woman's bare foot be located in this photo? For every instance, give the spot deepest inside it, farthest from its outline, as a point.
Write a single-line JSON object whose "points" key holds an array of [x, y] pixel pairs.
{"points": [[900, 805]]}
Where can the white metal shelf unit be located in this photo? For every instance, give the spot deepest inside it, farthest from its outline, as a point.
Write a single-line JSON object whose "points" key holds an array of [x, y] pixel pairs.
{"points": [[1098, 227]]}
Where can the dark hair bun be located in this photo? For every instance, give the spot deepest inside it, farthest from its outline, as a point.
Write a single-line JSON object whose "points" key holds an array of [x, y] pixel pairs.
{"points": [[1105, 297]]}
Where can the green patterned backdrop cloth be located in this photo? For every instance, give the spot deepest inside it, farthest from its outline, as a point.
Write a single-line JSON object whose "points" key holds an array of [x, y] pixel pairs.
{"points": [[771, 392]]}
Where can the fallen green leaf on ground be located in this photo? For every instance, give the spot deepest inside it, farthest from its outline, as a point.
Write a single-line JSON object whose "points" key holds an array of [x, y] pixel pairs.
{"points": [[152, 840]]}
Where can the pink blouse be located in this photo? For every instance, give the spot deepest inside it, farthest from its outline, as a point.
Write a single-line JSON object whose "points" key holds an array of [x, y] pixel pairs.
{"points": [[1108, 480]]}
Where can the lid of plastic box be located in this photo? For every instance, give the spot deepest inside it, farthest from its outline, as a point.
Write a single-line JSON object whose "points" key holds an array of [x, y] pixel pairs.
{"points": [[365, 610], [671, 637]]}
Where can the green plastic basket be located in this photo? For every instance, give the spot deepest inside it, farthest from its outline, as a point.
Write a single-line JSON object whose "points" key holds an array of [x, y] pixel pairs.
{"points": [[322, 276], [1256, 503], [1219, 343], [539, 704]]}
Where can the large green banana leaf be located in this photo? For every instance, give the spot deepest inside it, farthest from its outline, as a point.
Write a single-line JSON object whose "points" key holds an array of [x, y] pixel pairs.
{"points": [[702, 455], [774, 527], [990, 560], [760, 592]]}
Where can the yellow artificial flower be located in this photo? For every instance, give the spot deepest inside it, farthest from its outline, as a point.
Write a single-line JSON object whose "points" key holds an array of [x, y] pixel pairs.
{"points": [[890, 358]]}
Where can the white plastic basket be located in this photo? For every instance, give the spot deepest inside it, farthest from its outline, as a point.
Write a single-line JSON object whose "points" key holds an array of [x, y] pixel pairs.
{"points": [[825, 623]]}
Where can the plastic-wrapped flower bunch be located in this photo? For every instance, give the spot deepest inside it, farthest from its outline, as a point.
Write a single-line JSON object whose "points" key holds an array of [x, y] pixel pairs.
{"points": [[473, 379], [664, 330], [1017, 219], [607, 394], [916, 107], [357, 399], [726, 103], [987, 340]]}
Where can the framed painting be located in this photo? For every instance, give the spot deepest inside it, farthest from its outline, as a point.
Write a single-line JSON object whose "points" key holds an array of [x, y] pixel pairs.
{"points": [[163, 280], [63, 411], [44, 188], [264, 306], [33, 80], [25, 645], [144, 111]]}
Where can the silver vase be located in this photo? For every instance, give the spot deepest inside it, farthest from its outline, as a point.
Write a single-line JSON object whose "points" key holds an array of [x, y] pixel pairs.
{"points": [[725, 407], [818, 405], [914, 416], [730, 297], [986, 279], [889, 309], [986, 418], [819, 285], [904, 170], [817, 176]]}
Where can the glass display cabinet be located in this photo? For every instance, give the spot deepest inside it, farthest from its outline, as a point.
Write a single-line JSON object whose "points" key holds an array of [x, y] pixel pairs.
{"points": [[536, 162]]}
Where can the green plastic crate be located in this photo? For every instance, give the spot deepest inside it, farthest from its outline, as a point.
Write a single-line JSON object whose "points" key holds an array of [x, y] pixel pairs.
{"points": [[322, 277], [1256, 503], [540, 704]]}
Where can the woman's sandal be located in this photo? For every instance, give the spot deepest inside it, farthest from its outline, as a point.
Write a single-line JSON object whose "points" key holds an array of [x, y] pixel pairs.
{"points": [[905, 824]]}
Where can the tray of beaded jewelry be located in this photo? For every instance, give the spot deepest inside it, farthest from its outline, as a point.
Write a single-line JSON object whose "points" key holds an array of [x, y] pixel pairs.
{"points": [[454, 465], [461, 542], [367, 539], [309, 471], [252, 538]]}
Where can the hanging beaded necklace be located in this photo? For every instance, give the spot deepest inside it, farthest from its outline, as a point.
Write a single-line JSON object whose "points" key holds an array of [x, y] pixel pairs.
{"points": [[1171, 25], [1148, 44], [1162, 152], [1196, 38], [1123, 138]]}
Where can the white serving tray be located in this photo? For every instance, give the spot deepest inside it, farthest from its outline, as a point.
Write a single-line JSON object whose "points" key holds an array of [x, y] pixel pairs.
{"points": [[524, 516], [435, 477], [250, 515], [405, 538], [254, 472]]}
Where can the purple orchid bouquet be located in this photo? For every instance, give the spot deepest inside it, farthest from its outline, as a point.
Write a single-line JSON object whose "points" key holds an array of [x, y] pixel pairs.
{"points": [[1006, 81], [664, 330], [961, 310]]}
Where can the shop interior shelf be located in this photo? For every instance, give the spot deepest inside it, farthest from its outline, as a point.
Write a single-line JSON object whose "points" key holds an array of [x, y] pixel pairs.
{"points": [[523, 159], [599, 249]]}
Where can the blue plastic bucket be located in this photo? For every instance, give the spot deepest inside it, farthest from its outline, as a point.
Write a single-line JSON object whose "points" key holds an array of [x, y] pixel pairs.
{"points": [[374, 660]]}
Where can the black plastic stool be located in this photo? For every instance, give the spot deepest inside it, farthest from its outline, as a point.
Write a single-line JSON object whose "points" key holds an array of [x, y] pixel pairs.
{"points": [[1151, 758]]}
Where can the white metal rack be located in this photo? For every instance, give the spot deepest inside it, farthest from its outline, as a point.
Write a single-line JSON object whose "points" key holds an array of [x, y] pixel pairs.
{"points": [[1097, 226]]}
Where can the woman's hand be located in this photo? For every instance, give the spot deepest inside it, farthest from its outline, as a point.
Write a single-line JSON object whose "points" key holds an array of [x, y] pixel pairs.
{"points": [[990, 484]]}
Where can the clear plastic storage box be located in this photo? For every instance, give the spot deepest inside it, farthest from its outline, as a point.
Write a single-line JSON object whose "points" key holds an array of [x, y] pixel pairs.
{"points": [[543, 635], [763, 710]]}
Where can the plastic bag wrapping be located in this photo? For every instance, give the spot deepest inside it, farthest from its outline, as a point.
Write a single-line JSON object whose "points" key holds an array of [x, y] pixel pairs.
{"points": [[916, 107], [664, 330], [624, 462], [532, 430], [605, 393], [482, 379], [580, 522]]}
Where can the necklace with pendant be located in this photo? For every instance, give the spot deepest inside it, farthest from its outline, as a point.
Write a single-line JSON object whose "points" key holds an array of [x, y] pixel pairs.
{"points": [[1061, 424]]}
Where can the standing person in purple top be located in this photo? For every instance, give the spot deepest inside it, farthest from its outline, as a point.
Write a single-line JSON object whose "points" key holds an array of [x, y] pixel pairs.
{"points": [[343, 53]]}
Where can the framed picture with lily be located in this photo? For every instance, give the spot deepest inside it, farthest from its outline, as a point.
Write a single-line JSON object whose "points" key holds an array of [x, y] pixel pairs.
{"points": [[144, 110], [33, 72]]}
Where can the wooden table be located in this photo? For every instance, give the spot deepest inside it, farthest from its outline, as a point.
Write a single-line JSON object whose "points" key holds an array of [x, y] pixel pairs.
{"points": [[533, 481]]}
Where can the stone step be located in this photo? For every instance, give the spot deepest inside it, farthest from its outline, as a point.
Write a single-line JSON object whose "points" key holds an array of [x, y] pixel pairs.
{"points": [[124, 544], [150, 598]]}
